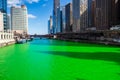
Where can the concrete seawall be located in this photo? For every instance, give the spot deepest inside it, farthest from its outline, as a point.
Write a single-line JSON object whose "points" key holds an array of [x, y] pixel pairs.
{"points": [[92, 41], [90, 37], [6, 42]]}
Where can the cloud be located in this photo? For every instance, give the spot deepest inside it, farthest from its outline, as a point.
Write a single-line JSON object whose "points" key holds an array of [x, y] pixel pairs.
{"points": [[32, 1], [31, 16], [17, 2], [13, 2]]}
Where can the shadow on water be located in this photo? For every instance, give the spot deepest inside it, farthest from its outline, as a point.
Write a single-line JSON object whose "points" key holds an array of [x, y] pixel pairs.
{"points": [[79, 79], [119, 74], [106, 56]]}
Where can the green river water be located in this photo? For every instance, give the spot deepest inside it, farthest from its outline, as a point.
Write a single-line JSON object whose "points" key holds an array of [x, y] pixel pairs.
{"points": [[44, 59]]}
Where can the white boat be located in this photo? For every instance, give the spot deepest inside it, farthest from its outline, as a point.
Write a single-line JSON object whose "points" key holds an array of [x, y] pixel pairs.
{"points": [[21, 41]]}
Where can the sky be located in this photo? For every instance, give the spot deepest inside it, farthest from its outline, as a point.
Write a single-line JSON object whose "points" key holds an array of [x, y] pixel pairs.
{"points": [[39, 12]]}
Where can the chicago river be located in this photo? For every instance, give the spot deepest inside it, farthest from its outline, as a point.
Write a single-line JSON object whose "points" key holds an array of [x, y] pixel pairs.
{"points": [[45, 59]]}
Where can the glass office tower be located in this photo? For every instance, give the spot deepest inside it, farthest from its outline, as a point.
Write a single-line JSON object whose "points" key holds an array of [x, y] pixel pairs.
{"points": [[76, 15], [3, 6], [3, 9], [56, 9]]}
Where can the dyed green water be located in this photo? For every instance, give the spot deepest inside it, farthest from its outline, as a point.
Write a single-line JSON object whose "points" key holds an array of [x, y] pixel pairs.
{"points": [[59, 60]]}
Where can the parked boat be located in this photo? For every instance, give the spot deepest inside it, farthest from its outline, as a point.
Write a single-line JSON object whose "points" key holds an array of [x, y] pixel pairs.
{"points": [[21, 41], [116, 40]]}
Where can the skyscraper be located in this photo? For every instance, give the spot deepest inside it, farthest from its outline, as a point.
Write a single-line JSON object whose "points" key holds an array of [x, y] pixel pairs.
{"points": [[118, 11], [3, 9], [19, 19], [115, 12], [102, 14], [86, 14], [50, 26], [76, 15], [56, 12], [63, 19], [58, 27], [9, 22], [69, 20], [1, 22], [91, 12], [83, 15], [3, 6], [107, 14]]}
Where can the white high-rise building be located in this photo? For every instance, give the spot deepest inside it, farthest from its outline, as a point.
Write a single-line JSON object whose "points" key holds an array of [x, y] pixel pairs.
{"points": [[1, 22], [19, 19]]}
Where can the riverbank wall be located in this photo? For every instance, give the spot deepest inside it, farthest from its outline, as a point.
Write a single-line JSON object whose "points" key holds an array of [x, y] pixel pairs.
{"points": [[92, 42], [6, 42], [106, 38]]}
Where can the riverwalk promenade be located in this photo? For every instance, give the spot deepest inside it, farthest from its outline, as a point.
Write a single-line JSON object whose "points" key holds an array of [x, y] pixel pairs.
{"points": [[6, 38]]}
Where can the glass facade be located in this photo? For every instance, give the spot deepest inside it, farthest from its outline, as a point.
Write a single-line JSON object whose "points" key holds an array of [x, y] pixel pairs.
{"points": [[3, 6], [50, 25], [69, 21], [90, 20], [3, 9], [63, 20], [56, 12], [76, 15], [58, 20]]}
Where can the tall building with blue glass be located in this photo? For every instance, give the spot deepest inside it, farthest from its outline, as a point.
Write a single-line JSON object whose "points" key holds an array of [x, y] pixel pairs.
{"points": [[76, 15], [59, 20], [56, 15], [3, 6], [91, 5], [3, 9], [63, 20], [68, 18], [50, 25]]}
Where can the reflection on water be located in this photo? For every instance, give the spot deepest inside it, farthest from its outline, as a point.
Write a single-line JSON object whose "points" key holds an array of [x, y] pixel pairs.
{"points": [[59, 60]]}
